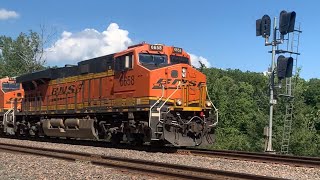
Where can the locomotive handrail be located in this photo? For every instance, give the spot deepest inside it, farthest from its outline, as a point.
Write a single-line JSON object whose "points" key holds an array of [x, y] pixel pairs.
{"points": [[5, 116], [5, 119], [168, 98], [215, 109], [162, 94]]}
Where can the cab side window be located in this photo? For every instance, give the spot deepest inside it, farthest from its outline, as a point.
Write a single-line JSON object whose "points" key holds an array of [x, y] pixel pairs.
{"points": [[124, 62]]}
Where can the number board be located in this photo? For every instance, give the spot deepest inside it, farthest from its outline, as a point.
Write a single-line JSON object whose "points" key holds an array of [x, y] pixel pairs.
{"points": [[156, 47], [12, 78], [177, 50], [126, 80]]}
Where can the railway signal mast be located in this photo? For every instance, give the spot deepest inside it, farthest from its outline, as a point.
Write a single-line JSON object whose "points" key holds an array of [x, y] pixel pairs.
{"points": [[283, 69]]}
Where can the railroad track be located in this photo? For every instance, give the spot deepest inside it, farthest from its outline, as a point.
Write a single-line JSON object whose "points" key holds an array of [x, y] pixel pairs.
{"points": [[141, 166], [258, 157], [227, 154]]}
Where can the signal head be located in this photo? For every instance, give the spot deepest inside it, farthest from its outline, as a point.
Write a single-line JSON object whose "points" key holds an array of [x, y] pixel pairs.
{"points": [[287, 22], [258, 27], [263, 26], [284, 67]]}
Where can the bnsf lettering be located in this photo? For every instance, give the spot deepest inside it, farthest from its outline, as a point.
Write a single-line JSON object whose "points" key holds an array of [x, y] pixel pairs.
{"points": [[174, 82], [66, 89]]}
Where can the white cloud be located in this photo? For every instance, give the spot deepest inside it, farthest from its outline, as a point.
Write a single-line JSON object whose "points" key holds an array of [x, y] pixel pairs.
{"points": [[74, 47], [195, 60], [5, 14]]}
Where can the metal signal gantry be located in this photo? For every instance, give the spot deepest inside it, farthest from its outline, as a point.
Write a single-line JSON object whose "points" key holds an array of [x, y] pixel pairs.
{"points": [[283, 67]]}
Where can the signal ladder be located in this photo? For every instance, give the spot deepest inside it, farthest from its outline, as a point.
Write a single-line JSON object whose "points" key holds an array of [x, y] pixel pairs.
{"points": [[293, 50]]}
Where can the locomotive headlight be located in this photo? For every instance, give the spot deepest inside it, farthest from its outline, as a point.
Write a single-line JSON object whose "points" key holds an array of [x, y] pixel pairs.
{"points": [[184, 72], [208, 104], [178, 102]]}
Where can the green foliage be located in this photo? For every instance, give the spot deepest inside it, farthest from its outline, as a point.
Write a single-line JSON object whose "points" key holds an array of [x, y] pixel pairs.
{"points": [[312, 94], [21, 55], [242, 99]]}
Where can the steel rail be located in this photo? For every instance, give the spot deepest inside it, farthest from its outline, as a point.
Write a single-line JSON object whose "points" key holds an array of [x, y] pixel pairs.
{"points": [[253, 156], [141, 166]]}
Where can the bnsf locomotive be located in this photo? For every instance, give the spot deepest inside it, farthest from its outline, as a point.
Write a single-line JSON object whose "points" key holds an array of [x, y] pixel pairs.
{"points": [[145, 94]]}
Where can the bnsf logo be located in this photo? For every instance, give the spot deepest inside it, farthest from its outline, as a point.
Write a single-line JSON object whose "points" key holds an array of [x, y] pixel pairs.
{"points": [[69, 89], [174, 82]]}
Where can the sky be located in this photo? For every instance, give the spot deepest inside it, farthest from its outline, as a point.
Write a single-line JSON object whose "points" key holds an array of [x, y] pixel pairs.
{"points": [[220, 33]]}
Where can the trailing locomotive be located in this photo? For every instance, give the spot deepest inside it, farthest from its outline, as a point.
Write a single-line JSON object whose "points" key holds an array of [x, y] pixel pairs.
{"points": [[145, 94]]}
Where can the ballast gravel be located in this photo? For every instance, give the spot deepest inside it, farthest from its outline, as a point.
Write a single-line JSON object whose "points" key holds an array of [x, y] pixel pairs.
{"points": [[22, 166], [19, 166]]}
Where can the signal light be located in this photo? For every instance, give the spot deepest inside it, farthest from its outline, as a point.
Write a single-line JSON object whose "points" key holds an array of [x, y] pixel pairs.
{"points": [[258, 27], [286, 22], [178, 102], [263, 26], [284, 67]]}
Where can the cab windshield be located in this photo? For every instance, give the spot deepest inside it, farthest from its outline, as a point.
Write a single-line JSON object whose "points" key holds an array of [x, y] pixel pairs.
{"points": [[153, 59], [7, 87], [178, 60]]}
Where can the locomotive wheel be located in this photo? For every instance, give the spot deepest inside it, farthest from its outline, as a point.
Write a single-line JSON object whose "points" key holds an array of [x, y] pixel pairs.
{"points": [[137, 139], [158, 143], [116, 138]]}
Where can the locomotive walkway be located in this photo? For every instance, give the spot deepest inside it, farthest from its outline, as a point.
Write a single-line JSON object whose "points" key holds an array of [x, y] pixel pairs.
{"points": [[141, 166]]}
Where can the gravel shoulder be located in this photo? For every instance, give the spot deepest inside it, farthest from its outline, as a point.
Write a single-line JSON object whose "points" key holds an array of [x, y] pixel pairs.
{"points": [[16, 166], [23, 166]]}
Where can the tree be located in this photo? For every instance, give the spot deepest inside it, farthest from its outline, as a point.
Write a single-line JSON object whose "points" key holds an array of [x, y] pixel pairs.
{"points": [[242, 100], [312, 94], [202, 66], [239, 97], [24, 54]]}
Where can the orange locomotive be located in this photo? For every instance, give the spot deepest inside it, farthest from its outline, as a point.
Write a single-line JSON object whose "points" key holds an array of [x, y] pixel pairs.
{"points": [[11, 95], [9, 91], [147, 93]]}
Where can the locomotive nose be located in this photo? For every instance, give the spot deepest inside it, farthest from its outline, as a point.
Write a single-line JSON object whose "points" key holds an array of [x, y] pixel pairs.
{"points": [[193, 89]]}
